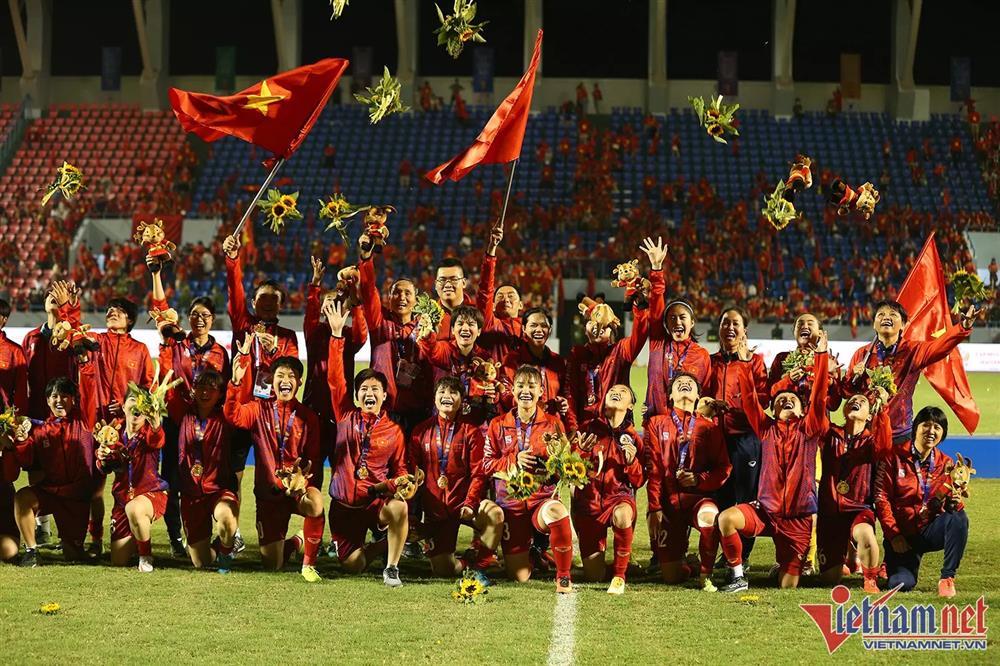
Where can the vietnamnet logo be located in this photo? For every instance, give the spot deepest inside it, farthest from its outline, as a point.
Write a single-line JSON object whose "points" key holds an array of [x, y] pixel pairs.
{"points": [[899, 626]]}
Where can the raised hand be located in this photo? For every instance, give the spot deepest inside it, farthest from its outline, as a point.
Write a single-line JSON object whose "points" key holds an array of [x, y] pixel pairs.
{"points": [[970, 316], [822, 341], [60, 292], [496, 237], [319, 269], [335, 317], [365, 246], [239, 366], [231, 246], [657, 252]]}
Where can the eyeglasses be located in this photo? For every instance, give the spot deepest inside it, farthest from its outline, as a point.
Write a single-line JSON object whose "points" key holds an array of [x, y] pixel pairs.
{"points": [[454, 281], [202, 316]]}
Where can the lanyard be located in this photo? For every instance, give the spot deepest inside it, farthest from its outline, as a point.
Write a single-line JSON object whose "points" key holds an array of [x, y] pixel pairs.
{"points": [[282, 431], [882, 352], [198, 356], [925, 482], [443, 447], [668, 354], [401, 345], [683, 438], [592, 379], [130, 447], [523, 434], [366, 439], [200, 427]]}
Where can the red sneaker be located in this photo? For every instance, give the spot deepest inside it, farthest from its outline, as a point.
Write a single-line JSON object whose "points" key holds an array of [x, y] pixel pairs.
{"points": [[946, 587]]}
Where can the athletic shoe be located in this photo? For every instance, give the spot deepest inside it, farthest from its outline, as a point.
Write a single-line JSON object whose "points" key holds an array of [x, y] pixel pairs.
{"points": [[808, 570], [871, 586], [541, 561], [739, 584], [617, 585], [413, 551], [390, 576], [238, 545], [29, 560], [775, 571], [310, 574], [178, 549], [332, 550], [224, 563], [565, 586], [708, 586], [481, 577], [946, 587], [95, 549], [653, 568], [146, 564], [41, 536]]}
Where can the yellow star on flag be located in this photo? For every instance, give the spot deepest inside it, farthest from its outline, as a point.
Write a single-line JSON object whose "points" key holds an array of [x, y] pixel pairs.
{"points": [[262, 100]]}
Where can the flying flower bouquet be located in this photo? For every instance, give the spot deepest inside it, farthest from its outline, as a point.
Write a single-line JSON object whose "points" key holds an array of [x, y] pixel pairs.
{"points": [[778, 210], [68, 182], [383, 99], [153, 401], [337, 7], [564, 465], [798, 358], [715, 117], [469, 590], [279, 208], [430, 314], [969, 288], [338, 210], [457, 28], [881, 377]]}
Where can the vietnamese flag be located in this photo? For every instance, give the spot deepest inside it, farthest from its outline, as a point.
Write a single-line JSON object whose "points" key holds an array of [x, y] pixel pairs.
{"points": [[500, 140], [924, 297], [275, 114]]}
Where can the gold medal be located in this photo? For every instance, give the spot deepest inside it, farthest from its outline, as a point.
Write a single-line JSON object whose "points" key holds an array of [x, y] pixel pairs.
{"points": [[443, 482], [843, 488], [591, 399], [362, 472], [131, 494], [197, 470]]}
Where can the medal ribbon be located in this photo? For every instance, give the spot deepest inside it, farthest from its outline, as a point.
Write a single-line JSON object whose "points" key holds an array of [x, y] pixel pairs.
{"points": [[130, 447], [683, 438], [282, 431], [592, 374], [523, 434], [366, 440], [443, 448], [924, 481], [200, 426], [668, 355]]}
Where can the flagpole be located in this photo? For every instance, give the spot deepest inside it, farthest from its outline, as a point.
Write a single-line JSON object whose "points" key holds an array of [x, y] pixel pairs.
{"points": [[260, 193], [510, 183]]}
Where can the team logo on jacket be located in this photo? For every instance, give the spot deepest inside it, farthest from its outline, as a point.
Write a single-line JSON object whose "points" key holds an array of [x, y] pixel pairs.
{"points": [[625, 440]]}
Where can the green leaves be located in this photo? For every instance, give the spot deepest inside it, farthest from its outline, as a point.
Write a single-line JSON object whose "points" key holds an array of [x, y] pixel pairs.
{"points": [[383, 99], [458, 28]]}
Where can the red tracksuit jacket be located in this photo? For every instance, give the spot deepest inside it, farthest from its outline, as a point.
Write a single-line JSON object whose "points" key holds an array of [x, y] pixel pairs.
{"points": [[138, 473], [553, 369], [723, 383], [614, 480], [852, 460], [317, 393], [463, 442], [706, 456], [44, 363], [500, 455], [899, 496], [777, 378], [13, 374], [666, 357], [500, 334], [446, 359], [189, 360], [385, 457], [787, 486]]}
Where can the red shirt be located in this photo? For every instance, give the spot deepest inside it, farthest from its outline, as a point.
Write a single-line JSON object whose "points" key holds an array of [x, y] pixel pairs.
{"points": [[851, 460], [120, 360], [705, 456], [552, 366], [459, 445], [188, 359], [902, 505], [724, 384], [507, 437], [446, 359], [500, 334], [614, 480], [138, 472], [44, 363], [13, 374]]}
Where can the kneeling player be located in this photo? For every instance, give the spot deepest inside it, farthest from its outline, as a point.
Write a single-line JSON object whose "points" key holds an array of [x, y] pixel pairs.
{"points": [[612, 445], [207, 483], [367, 465], [515, 442], [449, 451], [786, 497], [285, 434], [62, 449], [688, 462], [846, 494]]}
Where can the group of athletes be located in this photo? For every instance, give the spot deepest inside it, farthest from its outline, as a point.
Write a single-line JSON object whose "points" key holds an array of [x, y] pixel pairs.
{"points": [[420, 442]]}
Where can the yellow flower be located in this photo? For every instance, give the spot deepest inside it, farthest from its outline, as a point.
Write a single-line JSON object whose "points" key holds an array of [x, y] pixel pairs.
{"points": [[278, 210], [579, 469], [714, 129], [49, 609], [287, 201], [749, 599]]}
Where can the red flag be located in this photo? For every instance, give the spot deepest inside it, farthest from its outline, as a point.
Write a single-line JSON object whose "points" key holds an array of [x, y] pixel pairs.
{"points": [[275, 114], [924, 297], [500, 140]]}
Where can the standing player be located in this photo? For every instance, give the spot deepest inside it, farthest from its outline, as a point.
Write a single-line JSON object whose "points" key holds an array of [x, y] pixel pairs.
{"points": [[368, 464], [786, 498], [919, 511], [448, 449], [905, 357], [608, 501], [806, 326], [532, 349], [850, 454], [501, 306], [515, 442], [13, 368], [285, 435], [687, 464]]}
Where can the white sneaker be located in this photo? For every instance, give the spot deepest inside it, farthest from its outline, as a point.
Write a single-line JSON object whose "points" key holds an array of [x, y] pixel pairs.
{"points": [[146, 564], [390, 576]]}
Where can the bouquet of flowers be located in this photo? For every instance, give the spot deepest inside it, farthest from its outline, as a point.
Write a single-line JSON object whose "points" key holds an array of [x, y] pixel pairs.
{"points": [[337, 209], [337, 7], [564, 465], [715, 117], [278, 208], [457, 28], [469, 589], [12, 425], [153, 401], [881, 378], [68, 182], [383, 99], [778, 210], [969, 288], [798, 358], [430, 314], [521, 484]]}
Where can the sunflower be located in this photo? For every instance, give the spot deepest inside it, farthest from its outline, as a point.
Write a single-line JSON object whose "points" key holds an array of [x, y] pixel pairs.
{"points": [[279, 208], [68, 182], [469, 590], [49, 609], [578, 469], [288, 201], [714, 129]]}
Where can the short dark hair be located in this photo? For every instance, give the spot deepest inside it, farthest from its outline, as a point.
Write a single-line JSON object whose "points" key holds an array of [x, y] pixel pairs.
{"points": [[270, 284], [63, 386], [528, 371], [412, 281], [203, 301], [130, 309], [811, 314], [450, 382], [290, 362], [687, 375], [506, 284], [892, 305], [744, 315], [934, 415], [212, 377], [468, 312], [369, 373], [451, 262], [4, 307], [534, 311], [630, 391]]}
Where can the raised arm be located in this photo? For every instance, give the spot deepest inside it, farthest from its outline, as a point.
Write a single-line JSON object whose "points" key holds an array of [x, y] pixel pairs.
{"points": [[487, 276], [936, 349], [751, 404], [358, 335], [817, 418], [240, 409], [237, 301], [340, 396], [177, 404], [657, 253], [371, 301], [87, 388], [633, 344], [311, 320]]}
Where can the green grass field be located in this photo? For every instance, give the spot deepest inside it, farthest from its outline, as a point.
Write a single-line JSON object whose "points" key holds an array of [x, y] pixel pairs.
{"points": [[178, 615]]}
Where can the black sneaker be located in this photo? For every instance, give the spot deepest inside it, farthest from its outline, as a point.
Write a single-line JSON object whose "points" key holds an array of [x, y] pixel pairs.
{"points": [[238, 545], [95, 549], [29, 560], [390, 576], [654, 565], [332, 550], [413, 551], [178, 549], [41, 536], [739, 584]]}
